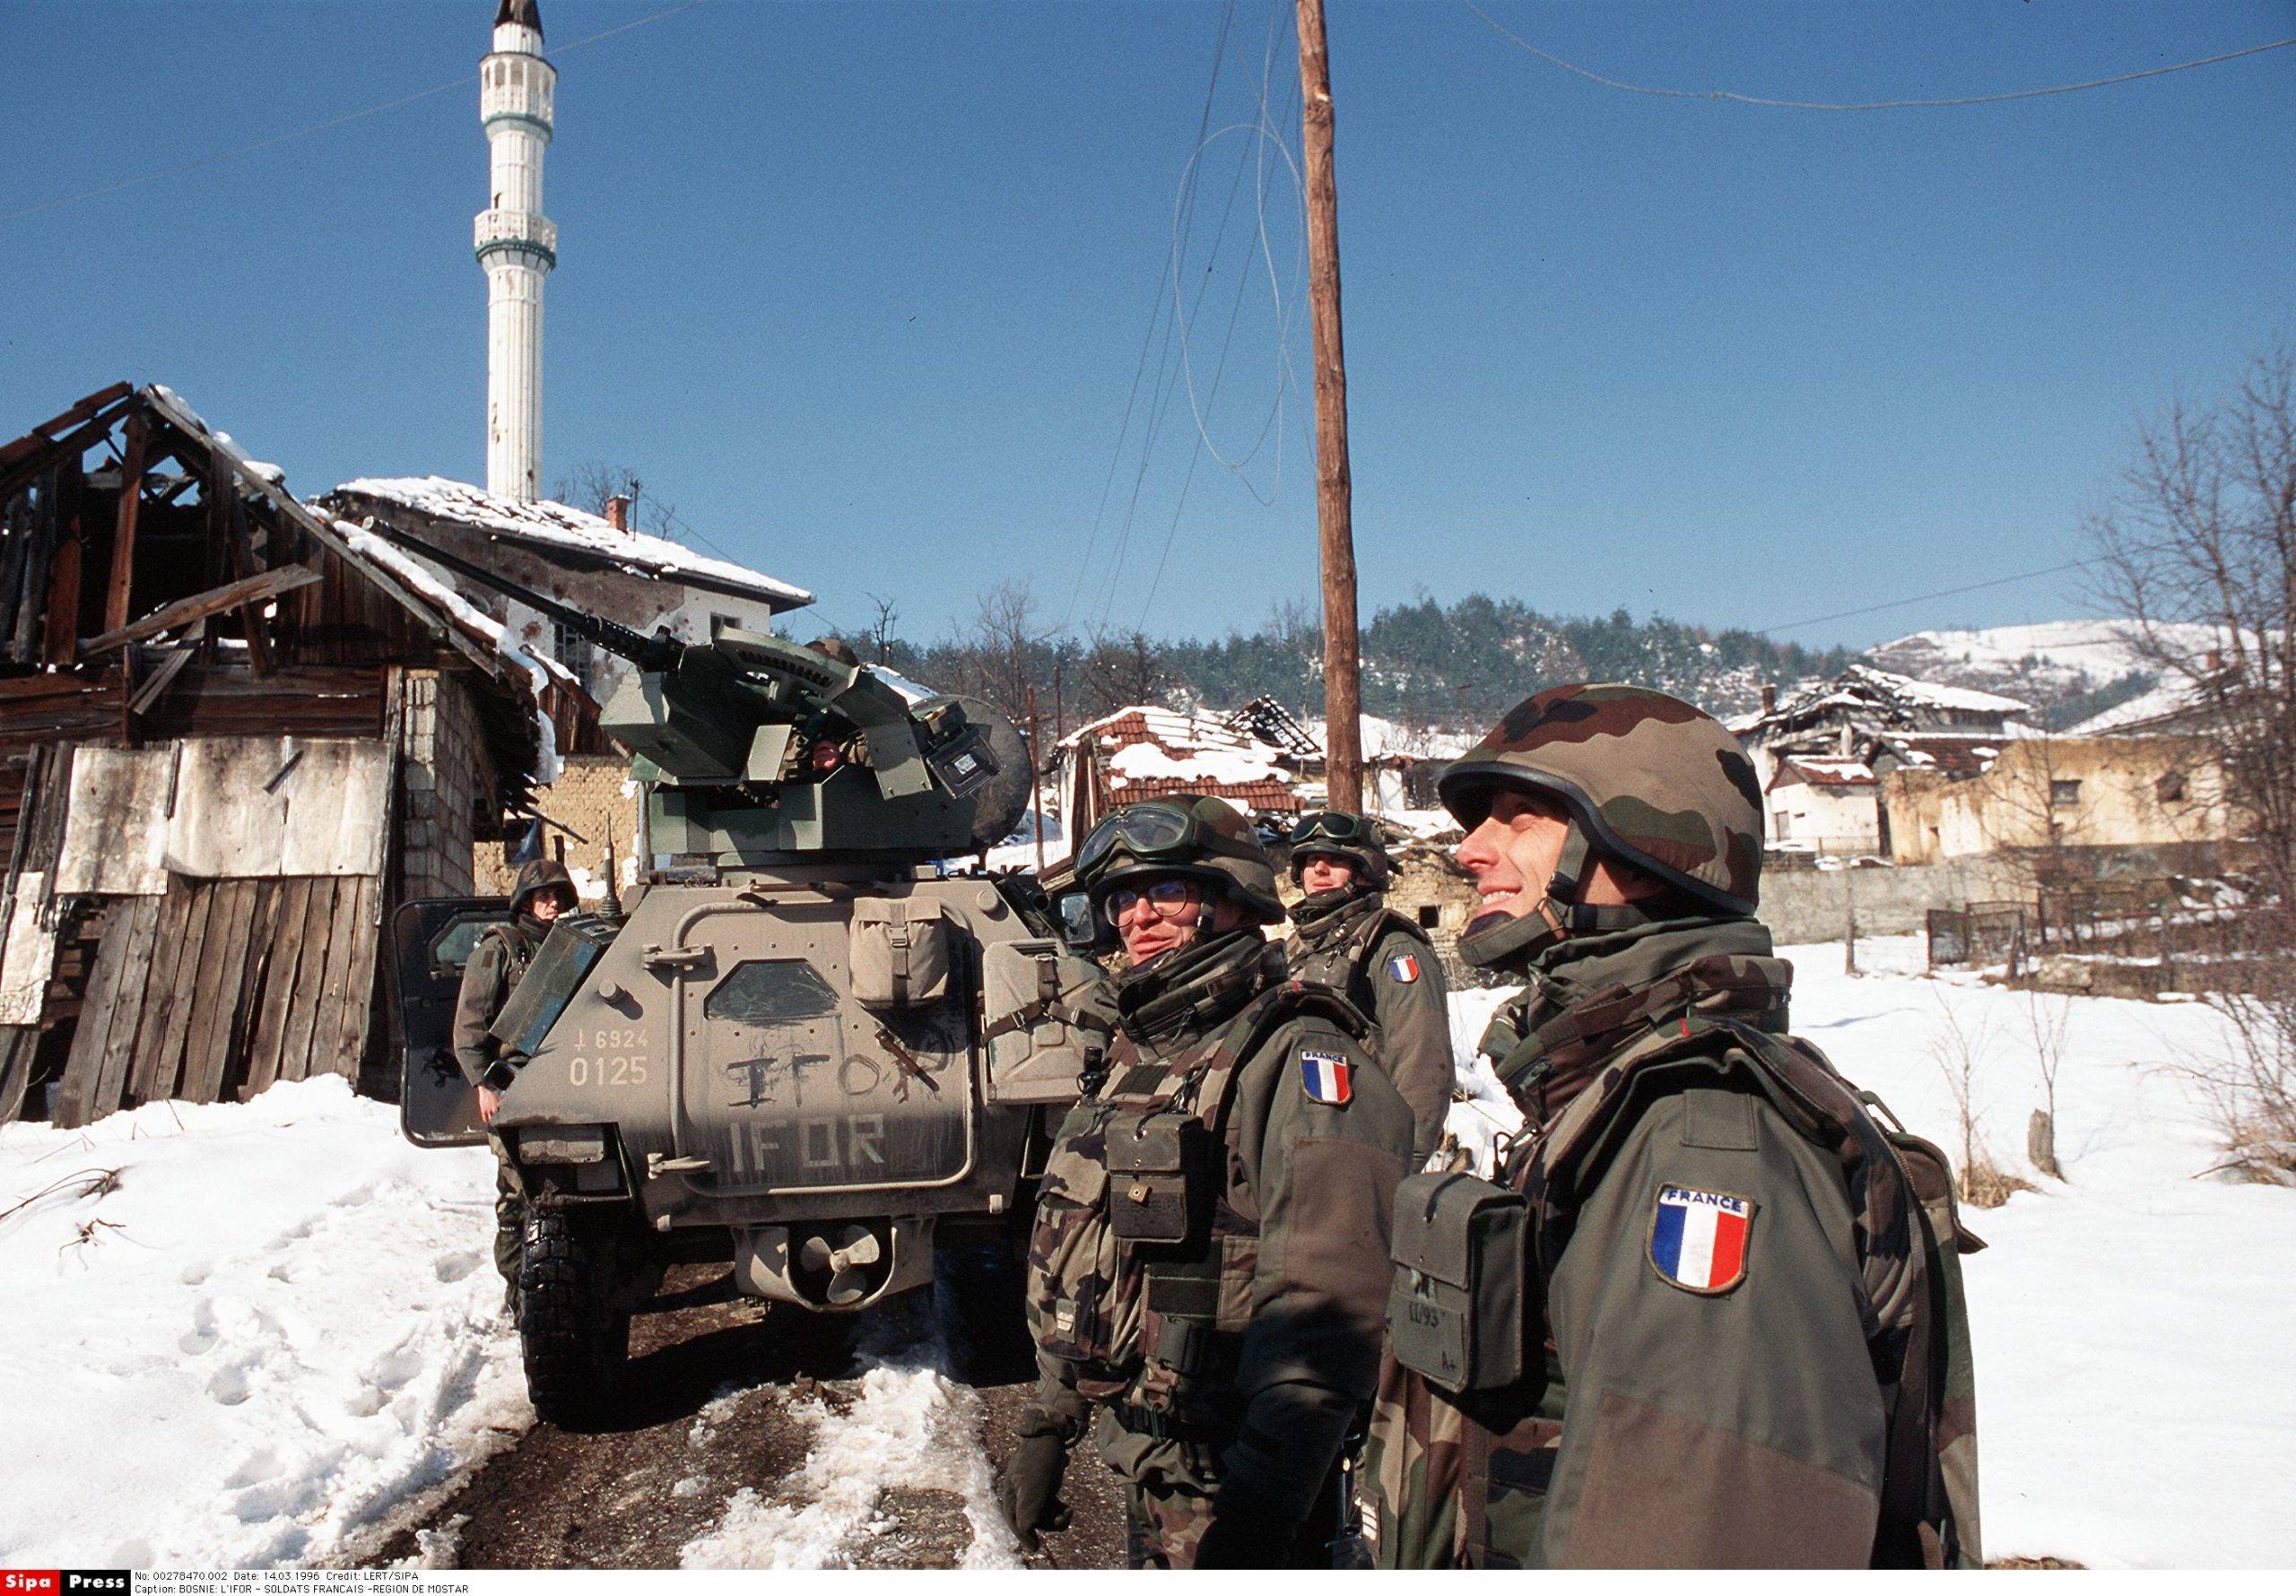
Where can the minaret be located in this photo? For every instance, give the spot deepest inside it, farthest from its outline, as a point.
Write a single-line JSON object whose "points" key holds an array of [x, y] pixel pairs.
{"points": [[517, 246]]}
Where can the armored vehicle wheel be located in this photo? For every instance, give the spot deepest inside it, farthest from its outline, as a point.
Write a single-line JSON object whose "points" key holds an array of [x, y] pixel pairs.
{"points": [[573, 1316]]}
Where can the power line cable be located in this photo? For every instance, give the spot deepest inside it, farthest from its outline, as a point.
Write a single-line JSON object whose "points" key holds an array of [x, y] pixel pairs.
{"points": [[348, 117], [1873, 105], [1155, 318], [1283, 332], [2071, 565], [1166, 386]]}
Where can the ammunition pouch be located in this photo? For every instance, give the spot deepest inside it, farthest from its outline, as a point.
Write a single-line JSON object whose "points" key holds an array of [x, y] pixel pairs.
{"points": [[901, 954], [1455, 1313], [1083, 1308], [1159, 1168]]}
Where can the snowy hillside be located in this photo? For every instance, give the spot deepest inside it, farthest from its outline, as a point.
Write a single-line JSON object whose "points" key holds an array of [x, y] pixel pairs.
{"points": [[264, 1335], [2081, 666]]}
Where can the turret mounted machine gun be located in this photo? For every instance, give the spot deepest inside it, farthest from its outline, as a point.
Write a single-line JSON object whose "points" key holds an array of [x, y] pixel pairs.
{"points": [[758, 751]]}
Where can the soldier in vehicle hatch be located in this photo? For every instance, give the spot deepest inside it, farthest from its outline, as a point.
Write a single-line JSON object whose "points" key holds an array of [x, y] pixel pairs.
{"points": [[1209, 1255], [1736, 1332], [541, 892], [1346, 937]]}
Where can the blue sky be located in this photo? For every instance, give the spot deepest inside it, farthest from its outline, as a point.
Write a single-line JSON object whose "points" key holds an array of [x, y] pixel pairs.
{"points": [[862, 290]]}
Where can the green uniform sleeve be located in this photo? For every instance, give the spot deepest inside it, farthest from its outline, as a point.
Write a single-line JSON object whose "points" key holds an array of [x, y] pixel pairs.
{"points": [[1714, 1416], [1412, 1007], [477, 1003], [1326, 1176]]}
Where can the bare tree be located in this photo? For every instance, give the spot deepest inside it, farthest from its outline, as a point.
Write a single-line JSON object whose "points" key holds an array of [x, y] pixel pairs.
{"points": [[1963, 1049], [588, 485], [883, 628], [1122, 670], [1007, 645], [2047, 1019], [2198, 549]]}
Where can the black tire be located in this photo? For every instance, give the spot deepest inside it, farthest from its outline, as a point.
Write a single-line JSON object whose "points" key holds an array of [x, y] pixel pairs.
{"points": [[573, 1317]]}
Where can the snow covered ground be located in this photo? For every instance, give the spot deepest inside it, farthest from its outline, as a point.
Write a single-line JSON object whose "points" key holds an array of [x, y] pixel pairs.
{"points": [[260, 1335], [242, 1335]]}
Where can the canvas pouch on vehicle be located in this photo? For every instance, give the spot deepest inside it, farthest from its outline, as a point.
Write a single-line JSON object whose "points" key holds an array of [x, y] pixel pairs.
{"points": [[901, 952], [1152, 1157], [1455, 1313]]}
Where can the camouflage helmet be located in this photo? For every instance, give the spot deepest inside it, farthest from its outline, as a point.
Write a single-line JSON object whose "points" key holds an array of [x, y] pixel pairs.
{"points": [[1342, 836], [542, 875], [1204, 837], [1651, 781]]}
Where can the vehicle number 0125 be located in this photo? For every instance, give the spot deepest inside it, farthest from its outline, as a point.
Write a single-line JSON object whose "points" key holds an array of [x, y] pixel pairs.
{"points": [[608, 1058]]}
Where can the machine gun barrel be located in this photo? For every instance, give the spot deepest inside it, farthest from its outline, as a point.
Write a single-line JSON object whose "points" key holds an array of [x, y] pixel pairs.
{"points": [[660, 651]]}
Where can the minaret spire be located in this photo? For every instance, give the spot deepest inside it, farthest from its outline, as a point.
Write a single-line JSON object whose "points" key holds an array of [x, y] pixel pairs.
{"points": [[517, 245]]}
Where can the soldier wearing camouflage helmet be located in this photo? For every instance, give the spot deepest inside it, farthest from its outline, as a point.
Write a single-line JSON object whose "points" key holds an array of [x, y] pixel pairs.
{"points": [[1209, 1258], [1739, 1338], [1344, 936]]}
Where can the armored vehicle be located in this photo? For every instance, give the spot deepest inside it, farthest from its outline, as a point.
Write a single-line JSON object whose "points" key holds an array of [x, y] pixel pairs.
{"points": [[809, 1046]]}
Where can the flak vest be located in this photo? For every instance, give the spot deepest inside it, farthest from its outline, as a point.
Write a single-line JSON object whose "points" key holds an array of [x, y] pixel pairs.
{"points": [[1341, 962], [1909, 1243], [1140, 1273]]}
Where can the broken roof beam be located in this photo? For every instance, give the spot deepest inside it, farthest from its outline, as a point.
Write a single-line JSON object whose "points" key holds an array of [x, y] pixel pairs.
{"points": [[319, 528], [87, 422], [252, 591]]}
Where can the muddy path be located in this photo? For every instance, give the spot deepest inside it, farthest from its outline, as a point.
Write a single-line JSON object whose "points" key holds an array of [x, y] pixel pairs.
{"points": [[758, 1436]]}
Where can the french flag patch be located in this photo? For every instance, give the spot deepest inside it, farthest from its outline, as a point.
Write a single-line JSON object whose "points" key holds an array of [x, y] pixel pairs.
{"points": [[1697, 1239], [1327, 1077], [1404, 968]]}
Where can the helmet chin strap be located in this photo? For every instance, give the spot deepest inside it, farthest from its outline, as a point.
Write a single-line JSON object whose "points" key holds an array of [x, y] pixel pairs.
{"points": [[1554, 917]]}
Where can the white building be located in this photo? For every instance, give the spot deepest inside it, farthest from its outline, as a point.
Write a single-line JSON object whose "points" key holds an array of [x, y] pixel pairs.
{"points": [[586, 562], [517, 245]]}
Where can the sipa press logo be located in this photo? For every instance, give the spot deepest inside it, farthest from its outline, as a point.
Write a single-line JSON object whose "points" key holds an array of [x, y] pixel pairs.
{"points": [[66, 1581]]}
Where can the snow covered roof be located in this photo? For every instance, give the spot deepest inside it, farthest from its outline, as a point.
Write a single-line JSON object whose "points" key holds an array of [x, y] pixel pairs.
{"points": [[562, 528], [1389, 740], [1947, 752], [1821, 772], [1862, 693], [1149, 751]]}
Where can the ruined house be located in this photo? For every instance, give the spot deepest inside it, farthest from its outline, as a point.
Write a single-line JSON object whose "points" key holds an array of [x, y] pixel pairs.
{"points": [[1861, 713], [235, 732]]}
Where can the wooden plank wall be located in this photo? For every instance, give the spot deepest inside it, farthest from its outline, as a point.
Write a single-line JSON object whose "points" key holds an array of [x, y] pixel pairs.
{"points": [[220, 988]]}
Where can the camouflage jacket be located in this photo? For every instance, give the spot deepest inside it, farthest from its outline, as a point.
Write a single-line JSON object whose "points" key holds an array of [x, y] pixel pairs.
{"points": [[1731, 1290], [1229, 1364], [1383, 964], [493, 971]]}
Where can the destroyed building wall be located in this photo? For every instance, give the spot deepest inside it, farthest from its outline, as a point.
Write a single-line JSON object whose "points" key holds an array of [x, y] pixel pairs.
{"points": [[2062, 793], [593, 799], [442, 787]]}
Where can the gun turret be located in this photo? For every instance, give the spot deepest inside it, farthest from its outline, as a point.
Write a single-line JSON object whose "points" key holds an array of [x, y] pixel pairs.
{"points": [[724, 732]]}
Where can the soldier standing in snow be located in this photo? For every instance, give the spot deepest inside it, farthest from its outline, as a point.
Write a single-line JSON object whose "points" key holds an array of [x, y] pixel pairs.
{"points": [[541, 891], [1733, 1298], [1209, 1258], [1344, 936]]}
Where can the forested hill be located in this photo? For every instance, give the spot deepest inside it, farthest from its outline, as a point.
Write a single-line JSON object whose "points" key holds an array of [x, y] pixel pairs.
{"points": [[1456, 666]]}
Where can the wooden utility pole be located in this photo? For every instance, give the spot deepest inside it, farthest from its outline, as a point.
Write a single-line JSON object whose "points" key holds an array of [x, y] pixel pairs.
{"points": [[1343, 693]]}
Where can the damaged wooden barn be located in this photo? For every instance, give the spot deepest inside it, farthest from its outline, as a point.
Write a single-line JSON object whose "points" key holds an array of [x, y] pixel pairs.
{"points": [[235, 732]]}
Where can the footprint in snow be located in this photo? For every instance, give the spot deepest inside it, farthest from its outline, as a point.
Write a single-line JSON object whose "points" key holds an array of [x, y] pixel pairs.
{"points": [[194, 1274], [287, 1239], [455, 1266], [394, 1367], [201, 1336], [227, 1387], [254, 1469]]}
